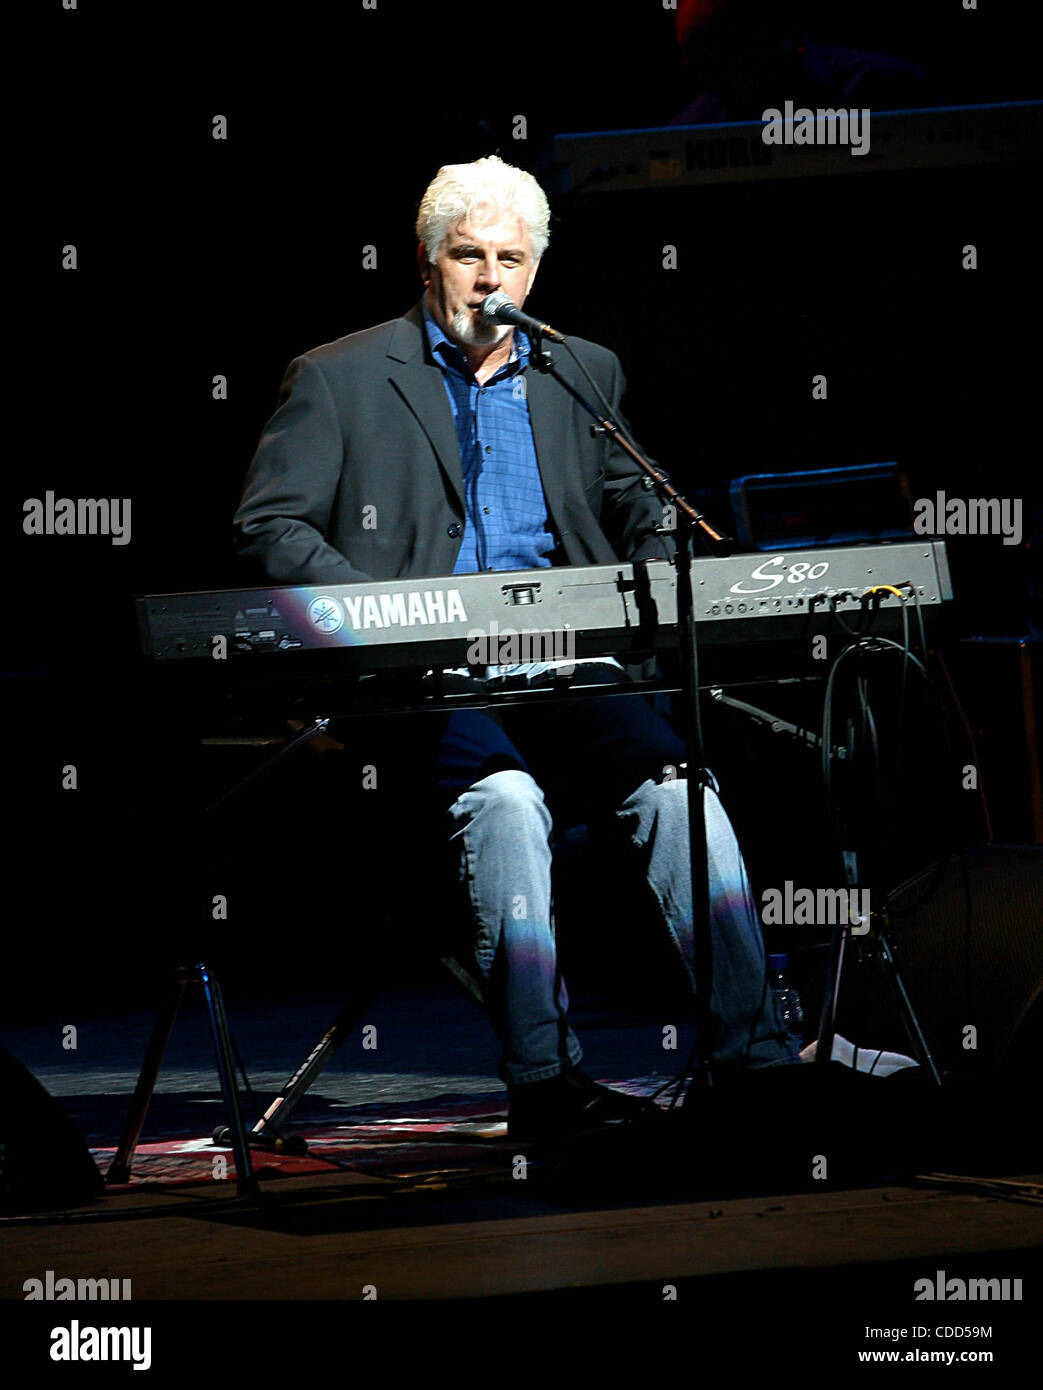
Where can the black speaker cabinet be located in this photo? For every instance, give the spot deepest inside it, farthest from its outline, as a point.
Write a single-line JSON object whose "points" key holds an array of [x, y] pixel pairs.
{"points": [[968, 938], [998, 681], [44, 1162]]}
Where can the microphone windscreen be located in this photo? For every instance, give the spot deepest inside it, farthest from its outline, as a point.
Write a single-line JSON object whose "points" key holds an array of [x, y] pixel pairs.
{"points": [[493, 303]]}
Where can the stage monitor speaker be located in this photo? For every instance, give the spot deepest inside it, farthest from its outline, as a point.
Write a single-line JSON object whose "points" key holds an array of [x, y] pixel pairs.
{"points": [[968, 937], [44, 1162]]}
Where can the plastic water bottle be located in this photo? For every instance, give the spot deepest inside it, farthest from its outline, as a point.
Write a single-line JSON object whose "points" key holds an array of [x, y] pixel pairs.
{"points": [[790, 1009]]}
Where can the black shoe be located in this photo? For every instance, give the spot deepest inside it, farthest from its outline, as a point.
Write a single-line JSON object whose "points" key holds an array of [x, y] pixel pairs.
{"points": [[569, 1104]]}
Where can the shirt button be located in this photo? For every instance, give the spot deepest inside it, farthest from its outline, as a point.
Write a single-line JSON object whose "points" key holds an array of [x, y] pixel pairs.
{"points": [[488, 448], [485, 510], [454, 530]]}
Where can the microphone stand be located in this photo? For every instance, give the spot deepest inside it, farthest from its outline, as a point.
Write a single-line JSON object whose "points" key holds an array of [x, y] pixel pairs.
{"points": [[693, 522]]}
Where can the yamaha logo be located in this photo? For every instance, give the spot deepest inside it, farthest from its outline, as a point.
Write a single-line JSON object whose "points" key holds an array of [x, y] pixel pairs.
{"points": [[325, 614]]}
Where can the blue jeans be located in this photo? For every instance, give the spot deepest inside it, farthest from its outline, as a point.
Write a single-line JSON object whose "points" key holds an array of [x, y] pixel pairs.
{"points": [[611, 762]]}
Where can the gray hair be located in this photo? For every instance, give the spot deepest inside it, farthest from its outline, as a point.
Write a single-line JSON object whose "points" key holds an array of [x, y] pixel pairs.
{"points": [[459, 191]]}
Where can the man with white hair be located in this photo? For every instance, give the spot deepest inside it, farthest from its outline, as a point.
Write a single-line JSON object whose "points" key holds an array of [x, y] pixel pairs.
{"points": [[476, 461]]}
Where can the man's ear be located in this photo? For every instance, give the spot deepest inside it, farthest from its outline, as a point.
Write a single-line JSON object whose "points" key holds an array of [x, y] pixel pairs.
{"points": [[532, 277], [423, 263]]}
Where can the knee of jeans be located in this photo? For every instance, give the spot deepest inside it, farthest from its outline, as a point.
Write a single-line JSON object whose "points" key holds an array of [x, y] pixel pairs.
{"points": [[653, 808], [511, 799]]}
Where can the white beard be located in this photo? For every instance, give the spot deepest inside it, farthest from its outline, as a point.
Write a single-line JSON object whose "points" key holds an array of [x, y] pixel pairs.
{"points": [[476, 331]]}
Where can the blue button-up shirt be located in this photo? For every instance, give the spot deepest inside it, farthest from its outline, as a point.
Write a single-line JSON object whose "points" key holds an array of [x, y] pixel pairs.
{"points": [[507, 526]]}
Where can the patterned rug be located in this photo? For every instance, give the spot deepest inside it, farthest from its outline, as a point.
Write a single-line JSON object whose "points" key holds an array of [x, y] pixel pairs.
{"points": [[407, 1140]]}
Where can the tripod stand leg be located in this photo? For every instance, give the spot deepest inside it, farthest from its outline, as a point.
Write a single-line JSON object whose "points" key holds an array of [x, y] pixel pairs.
{"points": [[889, 966], [317, 726], [828, 1018], [246, 1183], [119, 1169], [266, 1132], [465, 979]]}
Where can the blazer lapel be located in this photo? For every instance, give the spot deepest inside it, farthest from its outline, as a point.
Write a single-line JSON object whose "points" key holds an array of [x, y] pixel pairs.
{"points": [[420, 384], [546, 405]]}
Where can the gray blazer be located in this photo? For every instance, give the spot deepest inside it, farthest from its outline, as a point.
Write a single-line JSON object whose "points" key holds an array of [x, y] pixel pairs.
{"points": [[364, 422]]}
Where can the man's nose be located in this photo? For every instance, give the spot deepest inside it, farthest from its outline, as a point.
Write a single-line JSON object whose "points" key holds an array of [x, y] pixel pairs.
{"points": [[489, 273]]}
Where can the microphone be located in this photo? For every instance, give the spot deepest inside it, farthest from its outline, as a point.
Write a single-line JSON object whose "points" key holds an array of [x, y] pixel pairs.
{"points": [[500, 308]]}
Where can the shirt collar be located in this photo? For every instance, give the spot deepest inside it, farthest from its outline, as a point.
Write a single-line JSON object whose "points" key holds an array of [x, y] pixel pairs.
{"points": [[447, 353]]}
